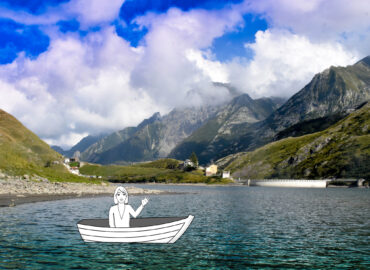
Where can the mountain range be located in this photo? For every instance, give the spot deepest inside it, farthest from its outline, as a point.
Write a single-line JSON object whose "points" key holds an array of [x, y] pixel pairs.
{"points": [[80, 147], [227, 125], [154, 138], [242, 124], [340, 151], [329, 97]]}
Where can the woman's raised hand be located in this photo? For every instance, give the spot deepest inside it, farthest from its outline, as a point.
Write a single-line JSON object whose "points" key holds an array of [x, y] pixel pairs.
{"points": [[144, 202]]}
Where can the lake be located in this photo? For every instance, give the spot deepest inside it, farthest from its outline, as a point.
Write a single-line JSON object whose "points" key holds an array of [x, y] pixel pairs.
{"points": [[234, 227]]}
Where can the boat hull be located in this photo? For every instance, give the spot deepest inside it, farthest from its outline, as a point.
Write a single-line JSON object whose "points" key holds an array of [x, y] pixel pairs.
{"points": [[141, 230]]}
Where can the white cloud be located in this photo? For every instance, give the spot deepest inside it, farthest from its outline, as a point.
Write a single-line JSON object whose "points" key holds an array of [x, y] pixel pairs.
{"points": [[320, 20], [284, 62], [29, 19], [77, 86], [214, 69], [88, 12], [165, 70], [66, 139], [85, 85], [94, 12], [98, 82]]}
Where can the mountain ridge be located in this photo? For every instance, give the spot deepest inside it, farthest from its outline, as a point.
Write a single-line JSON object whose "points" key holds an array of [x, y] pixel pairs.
{"points": [[153, 138], [241, 111], [335, 91], [340, 151]]}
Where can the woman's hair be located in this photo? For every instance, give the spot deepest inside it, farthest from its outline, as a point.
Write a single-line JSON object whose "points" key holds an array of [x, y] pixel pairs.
{"points": [[123, 190]]}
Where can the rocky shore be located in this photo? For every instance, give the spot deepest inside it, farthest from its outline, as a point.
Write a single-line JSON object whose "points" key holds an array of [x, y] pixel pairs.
{"points": [[19, 190]]}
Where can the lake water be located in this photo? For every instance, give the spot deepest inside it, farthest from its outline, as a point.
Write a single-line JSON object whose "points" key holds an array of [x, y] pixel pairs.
{"points": [[234, 227]]}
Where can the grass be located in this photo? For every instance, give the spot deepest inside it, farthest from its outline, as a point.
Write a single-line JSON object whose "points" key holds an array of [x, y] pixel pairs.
{"points": [[144, 173], [22, 152], [165, 163], [74, 164]]}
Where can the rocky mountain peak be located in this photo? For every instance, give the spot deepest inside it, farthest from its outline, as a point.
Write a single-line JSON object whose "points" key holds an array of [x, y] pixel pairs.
{"points": [[155, 117], [233, 91], [242, 100], [365, 61]]}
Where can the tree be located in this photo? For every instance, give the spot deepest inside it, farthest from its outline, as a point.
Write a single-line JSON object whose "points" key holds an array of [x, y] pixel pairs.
{"points": [[193, 158]]}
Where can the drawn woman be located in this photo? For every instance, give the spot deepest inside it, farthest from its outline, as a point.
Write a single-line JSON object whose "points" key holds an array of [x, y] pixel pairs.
{"points": [[119, 214]]}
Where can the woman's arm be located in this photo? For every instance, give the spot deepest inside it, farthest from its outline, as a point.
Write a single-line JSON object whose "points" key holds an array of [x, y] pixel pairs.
{"points": [[137, 212], [111, 218], [140, 208]]}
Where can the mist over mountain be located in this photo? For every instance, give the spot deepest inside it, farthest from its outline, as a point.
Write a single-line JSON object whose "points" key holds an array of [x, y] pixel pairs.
{"points": [[332, 93], [241, 124]]}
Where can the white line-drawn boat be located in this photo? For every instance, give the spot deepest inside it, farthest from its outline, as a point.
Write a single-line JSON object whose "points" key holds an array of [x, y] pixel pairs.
{"points": [[141, 230]]}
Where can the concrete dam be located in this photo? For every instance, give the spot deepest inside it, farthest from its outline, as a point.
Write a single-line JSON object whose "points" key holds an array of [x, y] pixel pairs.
{"points": [[299, 183]]}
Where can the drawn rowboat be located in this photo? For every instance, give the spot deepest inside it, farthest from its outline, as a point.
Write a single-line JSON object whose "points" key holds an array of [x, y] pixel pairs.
{"points": [[141, 230]]}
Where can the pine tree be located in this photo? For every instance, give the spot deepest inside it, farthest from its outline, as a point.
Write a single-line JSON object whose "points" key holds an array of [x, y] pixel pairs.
{"points": [[194, 159]]}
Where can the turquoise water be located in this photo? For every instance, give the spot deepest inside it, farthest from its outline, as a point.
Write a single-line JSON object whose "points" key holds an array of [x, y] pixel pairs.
{"points": [[234, 227]]}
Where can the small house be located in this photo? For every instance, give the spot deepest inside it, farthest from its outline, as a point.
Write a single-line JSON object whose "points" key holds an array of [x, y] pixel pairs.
{"points": [[75, 170], [226, 174], [188, 163], [211, 170]]}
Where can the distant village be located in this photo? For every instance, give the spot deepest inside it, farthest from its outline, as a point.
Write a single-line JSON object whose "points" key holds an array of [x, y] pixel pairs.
{"points": [[73, 164], [211, 170]]}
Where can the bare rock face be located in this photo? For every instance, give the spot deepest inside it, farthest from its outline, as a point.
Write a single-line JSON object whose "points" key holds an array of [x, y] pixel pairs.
{"points": [[210, 140], [80, 146], [181, 123], [335, 90], [154, 138]]}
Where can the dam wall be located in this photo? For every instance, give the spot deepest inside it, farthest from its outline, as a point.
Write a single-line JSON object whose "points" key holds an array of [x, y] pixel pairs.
{"points": [[299, 183]]}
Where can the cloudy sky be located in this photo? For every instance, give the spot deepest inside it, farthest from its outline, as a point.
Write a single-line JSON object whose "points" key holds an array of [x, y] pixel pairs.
{"points": [[69, 68]]}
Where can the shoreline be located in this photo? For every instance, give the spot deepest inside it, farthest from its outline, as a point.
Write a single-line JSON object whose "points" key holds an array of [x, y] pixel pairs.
{"points": [[11, 200], [185, 184], [14, 191]]}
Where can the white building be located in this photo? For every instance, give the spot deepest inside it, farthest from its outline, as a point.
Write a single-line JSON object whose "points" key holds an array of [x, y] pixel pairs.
{"points": [[226, 174], [211, 170], [188, 163]]}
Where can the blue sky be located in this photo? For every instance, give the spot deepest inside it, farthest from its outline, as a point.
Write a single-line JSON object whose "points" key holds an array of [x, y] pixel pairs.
{"points": [[76, 67], [16, 37]]}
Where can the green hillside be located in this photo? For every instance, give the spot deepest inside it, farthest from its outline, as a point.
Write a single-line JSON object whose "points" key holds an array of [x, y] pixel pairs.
{"points": [[159, 171], [22, 152], [164, 163], [341, 151]]}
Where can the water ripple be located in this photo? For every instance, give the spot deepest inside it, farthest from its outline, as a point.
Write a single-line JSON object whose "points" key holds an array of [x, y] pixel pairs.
{"points": [[234, 227]]}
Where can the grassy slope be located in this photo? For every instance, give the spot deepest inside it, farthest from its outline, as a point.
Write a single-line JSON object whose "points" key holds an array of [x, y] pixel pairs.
{"points": [[156, 171], [341, 151], [22, 152], [164, 163]]}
